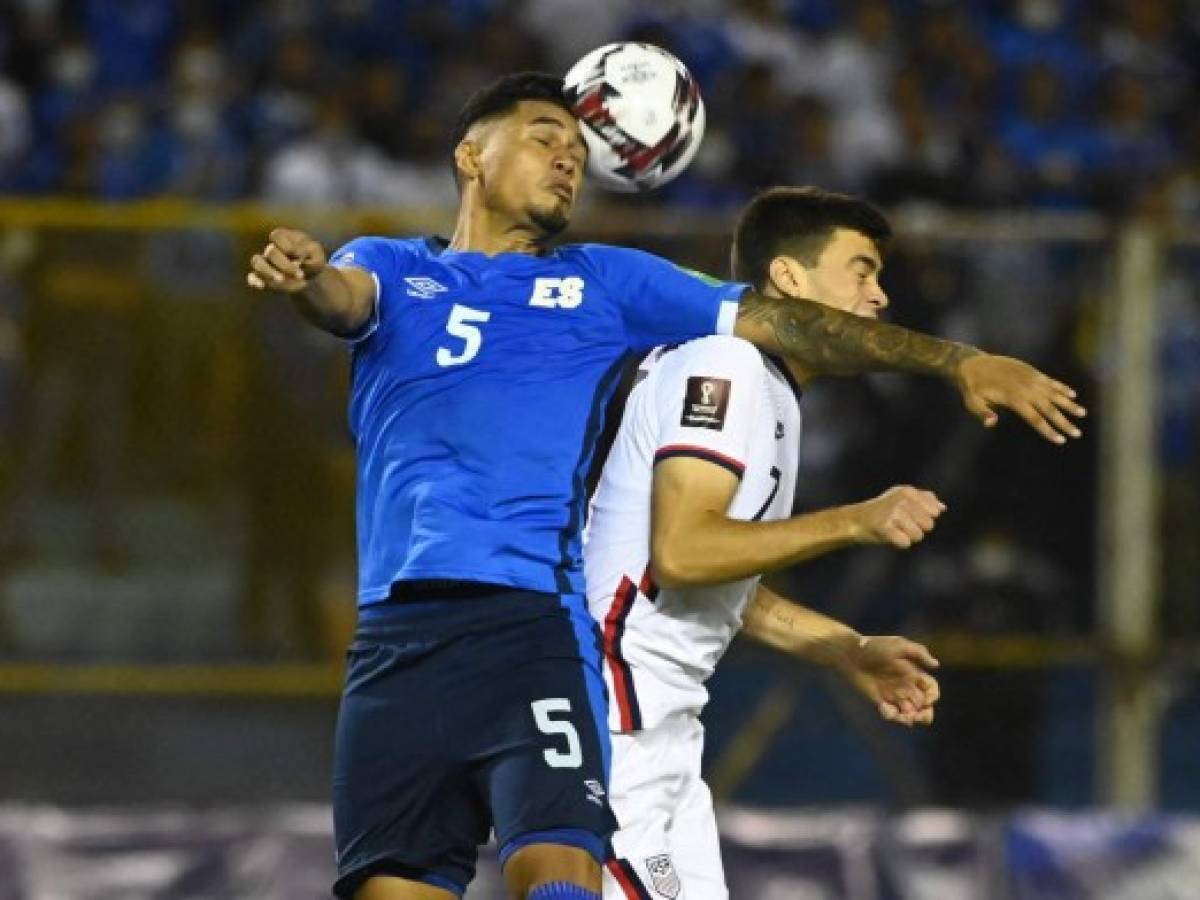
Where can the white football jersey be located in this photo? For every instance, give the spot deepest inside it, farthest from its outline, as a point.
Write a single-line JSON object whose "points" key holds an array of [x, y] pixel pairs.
{"points": [[719, 399]]}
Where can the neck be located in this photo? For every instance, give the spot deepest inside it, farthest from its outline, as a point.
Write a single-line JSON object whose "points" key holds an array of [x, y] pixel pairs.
{"points": [[482, 230]]}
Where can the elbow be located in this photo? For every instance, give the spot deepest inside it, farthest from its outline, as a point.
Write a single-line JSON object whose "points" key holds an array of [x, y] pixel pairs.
{"points": [[351, 320], [672, 568]]}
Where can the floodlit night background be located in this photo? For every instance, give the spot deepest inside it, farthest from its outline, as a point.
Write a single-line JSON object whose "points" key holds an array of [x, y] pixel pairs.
{"points": [[176, 473]]}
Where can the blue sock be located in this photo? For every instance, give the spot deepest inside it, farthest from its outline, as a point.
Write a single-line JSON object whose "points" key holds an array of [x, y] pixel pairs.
{"points": [[561, 890]]}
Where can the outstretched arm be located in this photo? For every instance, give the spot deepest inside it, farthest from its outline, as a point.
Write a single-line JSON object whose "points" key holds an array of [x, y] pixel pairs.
{"points": [[889, 671], [337, 300], [830, 341], [834, 342]]}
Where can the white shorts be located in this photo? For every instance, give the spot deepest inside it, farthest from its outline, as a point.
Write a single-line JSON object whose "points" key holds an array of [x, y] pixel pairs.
{"points": [[667, 845]]}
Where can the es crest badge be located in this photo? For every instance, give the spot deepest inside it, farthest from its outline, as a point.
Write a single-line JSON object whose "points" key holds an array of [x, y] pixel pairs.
{"points": [[557, 293], [663, 876]]}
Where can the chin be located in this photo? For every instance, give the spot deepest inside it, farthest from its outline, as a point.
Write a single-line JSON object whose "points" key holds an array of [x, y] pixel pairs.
{"points": [[551, 221]]}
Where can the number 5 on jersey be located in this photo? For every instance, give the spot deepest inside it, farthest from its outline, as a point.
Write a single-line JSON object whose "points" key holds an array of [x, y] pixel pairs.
{"points": [[572, 758], [461, 325]]}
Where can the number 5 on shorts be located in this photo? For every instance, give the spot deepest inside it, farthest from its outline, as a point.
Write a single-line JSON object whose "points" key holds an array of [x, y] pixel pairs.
{"points": [[542, 711]]}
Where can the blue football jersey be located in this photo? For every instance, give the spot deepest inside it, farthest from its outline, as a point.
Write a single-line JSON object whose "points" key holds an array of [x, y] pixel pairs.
{"points": [[478, 391]]}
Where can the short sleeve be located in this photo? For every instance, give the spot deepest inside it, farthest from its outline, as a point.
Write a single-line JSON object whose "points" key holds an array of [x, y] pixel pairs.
{"points": [[377, 257], [662, 303], [707, 402]]}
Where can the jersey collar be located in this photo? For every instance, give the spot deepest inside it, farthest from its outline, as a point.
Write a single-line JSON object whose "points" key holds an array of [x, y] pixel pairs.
{"points": [[437, 245], [779, 364]]}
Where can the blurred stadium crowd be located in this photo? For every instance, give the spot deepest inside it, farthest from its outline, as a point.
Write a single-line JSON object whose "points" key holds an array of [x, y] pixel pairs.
{"points": [[985, 103]]}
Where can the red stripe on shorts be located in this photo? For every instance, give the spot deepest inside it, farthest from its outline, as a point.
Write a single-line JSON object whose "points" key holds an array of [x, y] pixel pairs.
{"points": [[614, 629], [631, 885]]}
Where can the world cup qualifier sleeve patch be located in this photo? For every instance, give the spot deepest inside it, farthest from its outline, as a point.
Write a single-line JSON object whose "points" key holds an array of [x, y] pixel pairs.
{"points": [[706, 402]]}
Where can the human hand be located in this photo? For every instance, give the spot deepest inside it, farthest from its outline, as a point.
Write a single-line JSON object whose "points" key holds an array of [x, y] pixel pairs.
{"points": [[986, 380], [289, 262], [892, 673], [900, 516]]}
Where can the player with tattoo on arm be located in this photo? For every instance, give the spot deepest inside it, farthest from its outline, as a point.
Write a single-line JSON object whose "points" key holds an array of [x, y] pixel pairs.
{"points": [[695, 502], [474, 699]]}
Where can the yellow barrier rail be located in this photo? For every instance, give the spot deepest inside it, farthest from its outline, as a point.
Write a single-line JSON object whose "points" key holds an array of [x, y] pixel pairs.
{"points": [[311, 681], [323, 680], [597, 219], [257, 218]]}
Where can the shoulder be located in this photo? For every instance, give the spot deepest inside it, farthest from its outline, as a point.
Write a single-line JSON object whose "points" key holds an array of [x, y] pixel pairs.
{"points": [[719, 351], [717, 357], [375, 247], [599, 252], [607, 259]]}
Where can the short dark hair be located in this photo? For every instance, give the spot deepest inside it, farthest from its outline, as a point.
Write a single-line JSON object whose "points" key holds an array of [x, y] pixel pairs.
{"points": [[502, 95], [798, 221]]}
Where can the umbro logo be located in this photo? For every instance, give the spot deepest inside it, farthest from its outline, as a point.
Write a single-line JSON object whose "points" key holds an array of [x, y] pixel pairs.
{"points": [[595, 791], [424, 287]]}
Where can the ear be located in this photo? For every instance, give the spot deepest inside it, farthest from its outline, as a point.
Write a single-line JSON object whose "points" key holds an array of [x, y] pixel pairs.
{"points": [[788, 277], [466, 159]]}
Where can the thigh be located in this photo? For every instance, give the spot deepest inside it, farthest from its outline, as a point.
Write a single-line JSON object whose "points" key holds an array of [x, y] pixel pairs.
{"points": [[696, 845], [694, 838], [543, 753], [405, 805], [391, 888], [645, 788], [667, 845]]}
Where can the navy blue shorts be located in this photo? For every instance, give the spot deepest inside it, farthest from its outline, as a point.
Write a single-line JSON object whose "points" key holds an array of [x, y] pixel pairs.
{"points": [[463, 716]]}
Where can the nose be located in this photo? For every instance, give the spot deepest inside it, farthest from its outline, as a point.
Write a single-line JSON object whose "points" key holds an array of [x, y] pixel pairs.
{"points": [[877, 297], [564, 164]]}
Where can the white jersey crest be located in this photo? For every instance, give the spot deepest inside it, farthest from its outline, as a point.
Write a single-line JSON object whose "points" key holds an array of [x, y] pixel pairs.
{"points": [[719, 399]]}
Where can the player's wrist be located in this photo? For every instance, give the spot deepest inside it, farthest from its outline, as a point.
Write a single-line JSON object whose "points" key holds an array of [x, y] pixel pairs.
{"points": [[841, 651], [855, 524], [960, 358], [321, 273]]}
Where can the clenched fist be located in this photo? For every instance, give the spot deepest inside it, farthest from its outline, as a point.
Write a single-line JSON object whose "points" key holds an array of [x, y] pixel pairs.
{"points": [[289, 262], [901, 516]]}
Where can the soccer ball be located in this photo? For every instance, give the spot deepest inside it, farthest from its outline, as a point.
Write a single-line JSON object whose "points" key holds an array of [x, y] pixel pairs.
{"points": [[641, 113]]}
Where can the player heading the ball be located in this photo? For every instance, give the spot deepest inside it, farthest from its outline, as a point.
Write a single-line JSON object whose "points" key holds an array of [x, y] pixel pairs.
{"points": [[474, 699]]}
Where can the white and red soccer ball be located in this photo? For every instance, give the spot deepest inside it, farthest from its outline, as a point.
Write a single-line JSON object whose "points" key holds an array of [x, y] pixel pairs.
{"points": [[641, 114]]}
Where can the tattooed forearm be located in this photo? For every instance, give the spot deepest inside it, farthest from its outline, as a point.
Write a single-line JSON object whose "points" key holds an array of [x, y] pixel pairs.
{"points": [[830, 341], [788, 626]]}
